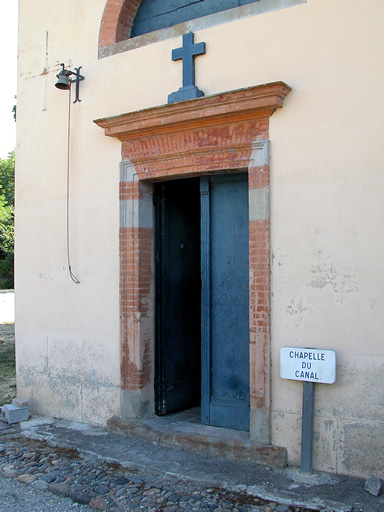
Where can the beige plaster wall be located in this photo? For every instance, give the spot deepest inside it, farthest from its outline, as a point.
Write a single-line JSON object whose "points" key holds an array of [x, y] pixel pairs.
{"points": [[326, 207], [68, 354]]}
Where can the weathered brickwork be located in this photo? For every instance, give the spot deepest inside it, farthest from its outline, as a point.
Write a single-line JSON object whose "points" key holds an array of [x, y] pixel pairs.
{"points": [[109, 22], [195, 152], [258, 177], [136, 276], [128, 190], [117, 21], [126, 19], [259, 312], [135, 287]]}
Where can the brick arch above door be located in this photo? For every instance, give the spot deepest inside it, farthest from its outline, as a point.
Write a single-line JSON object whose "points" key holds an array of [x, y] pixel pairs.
{"points": [[117, 21]]}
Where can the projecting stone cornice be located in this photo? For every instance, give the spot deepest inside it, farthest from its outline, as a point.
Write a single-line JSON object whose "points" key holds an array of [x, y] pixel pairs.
{"points": [[230, 107]]}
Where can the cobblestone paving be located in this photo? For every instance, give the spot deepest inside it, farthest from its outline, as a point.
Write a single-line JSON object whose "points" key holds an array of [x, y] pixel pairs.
{"points": [[110, 487]]}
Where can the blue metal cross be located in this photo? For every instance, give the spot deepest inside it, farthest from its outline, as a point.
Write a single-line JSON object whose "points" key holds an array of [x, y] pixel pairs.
{"points": [[187, 54]]}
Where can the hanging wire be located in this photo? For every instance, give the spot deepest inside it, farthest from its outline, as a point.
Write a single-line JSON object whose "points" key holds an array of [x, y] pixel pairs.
{"points": [[71, 274]]}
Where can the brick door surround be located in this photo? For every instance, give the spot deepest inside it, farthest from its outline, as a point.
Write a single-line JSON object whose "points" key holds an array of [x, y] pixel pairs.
{"points": [[224, 133]]}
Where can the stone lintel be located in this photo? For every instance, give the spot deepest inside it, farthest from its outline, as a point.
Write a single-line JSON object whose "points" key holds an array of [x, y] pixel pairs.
{"points": [[253, 102]]}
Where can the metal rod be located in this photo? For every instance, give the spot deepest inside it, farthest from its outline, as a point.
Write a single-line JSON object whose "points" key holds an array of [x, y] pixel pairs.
{"points": [[307, 426], [77, 81]]}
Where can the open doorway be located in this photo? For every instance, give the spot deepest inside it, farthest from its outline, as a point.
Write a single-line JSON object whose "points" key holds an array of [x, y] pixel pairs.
{"points": [[202, 282]]}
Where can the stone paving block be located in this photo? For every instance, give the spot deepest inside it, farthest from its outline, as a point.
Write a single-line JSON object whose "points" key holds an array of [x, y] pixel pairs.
{"points": [[58, 489], [98, 504], [10, 473], [19, 402], [80, 497], [49, 478], [373, 485], [4, 425], [27, 479], [282, 508], [40, 484], [14, 414]]}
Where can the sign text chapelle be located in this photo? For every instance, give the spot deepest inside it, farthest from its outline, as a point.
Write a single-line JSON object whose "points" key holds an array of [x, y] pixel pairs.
{"points": [[308, 364]]}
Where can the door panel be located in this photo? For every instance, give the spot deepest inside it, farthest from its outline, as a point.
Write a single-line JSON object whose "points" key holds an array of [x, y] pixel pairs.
{"points": [[178, 362], [225, 301]]}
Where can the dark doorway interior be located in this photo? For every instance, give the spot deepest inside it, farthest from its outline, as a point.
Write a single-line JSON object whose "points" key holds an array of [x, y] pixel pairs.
{"points": [[178, 290]]}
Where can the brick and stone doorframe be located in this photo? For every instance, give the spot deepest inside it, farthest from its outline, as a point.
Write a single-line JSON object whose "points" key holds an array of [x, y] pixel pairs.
{"points": [[223, 133]]}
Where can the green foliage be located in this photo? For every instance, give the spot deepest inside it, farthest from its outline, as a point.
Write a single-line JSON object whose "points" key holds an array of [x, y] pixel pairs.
{"points": [[7, 199], [6, 237], [7, 178]]}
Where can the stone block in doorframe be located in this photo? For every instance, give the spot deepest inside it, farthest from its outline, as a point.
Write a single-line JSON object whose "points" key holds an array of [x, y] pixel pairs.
{"points": [[14, 414]]}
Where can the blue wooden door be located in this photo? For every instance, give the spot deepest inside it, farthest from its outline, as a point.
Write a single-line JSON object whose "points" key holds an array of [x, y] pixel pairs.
{"points": [[225, 301]]}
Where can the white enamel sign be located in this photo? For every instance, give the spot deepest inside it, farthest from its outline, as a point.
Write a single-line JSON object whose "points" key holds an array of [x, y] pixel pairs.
{"points": [[308, 364]]}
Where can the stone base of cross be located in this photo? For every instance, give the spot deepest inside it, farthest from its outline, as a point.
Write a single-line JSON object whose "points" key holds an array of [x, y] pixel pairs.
{"points": [[189, 92]]}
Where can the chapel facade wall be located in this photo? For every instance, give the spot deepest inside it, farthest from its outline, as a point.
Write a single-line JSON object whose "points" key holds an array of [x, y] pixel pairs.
{"points": [[326, 196]]}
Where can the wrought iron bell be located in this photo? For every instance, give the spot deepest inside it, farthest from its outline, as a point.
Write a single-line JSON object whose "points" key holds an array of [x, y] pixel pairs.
{"points": [[63, 81]]}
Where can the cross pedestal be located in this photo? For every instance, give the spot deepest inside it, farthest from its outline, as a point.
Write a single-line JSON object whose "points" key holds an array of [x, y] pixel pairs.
{"points": [[187, 54]]}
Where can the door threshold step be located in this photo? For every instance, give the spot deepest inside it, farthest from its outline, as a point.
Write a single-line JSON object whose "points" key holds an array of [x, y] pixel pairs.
{"points": [[201, 439]]}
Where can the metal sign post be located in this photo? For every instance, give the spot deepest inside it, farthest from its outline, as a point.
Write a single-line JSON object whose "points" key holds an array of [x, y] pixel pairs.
{"points": [[307, 427], [310, 366]]}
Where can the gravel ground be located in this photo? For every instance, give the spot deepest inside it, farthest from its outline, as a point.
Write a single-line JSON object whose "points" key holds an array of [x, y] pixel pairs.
{"points": [[17, 497]]}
